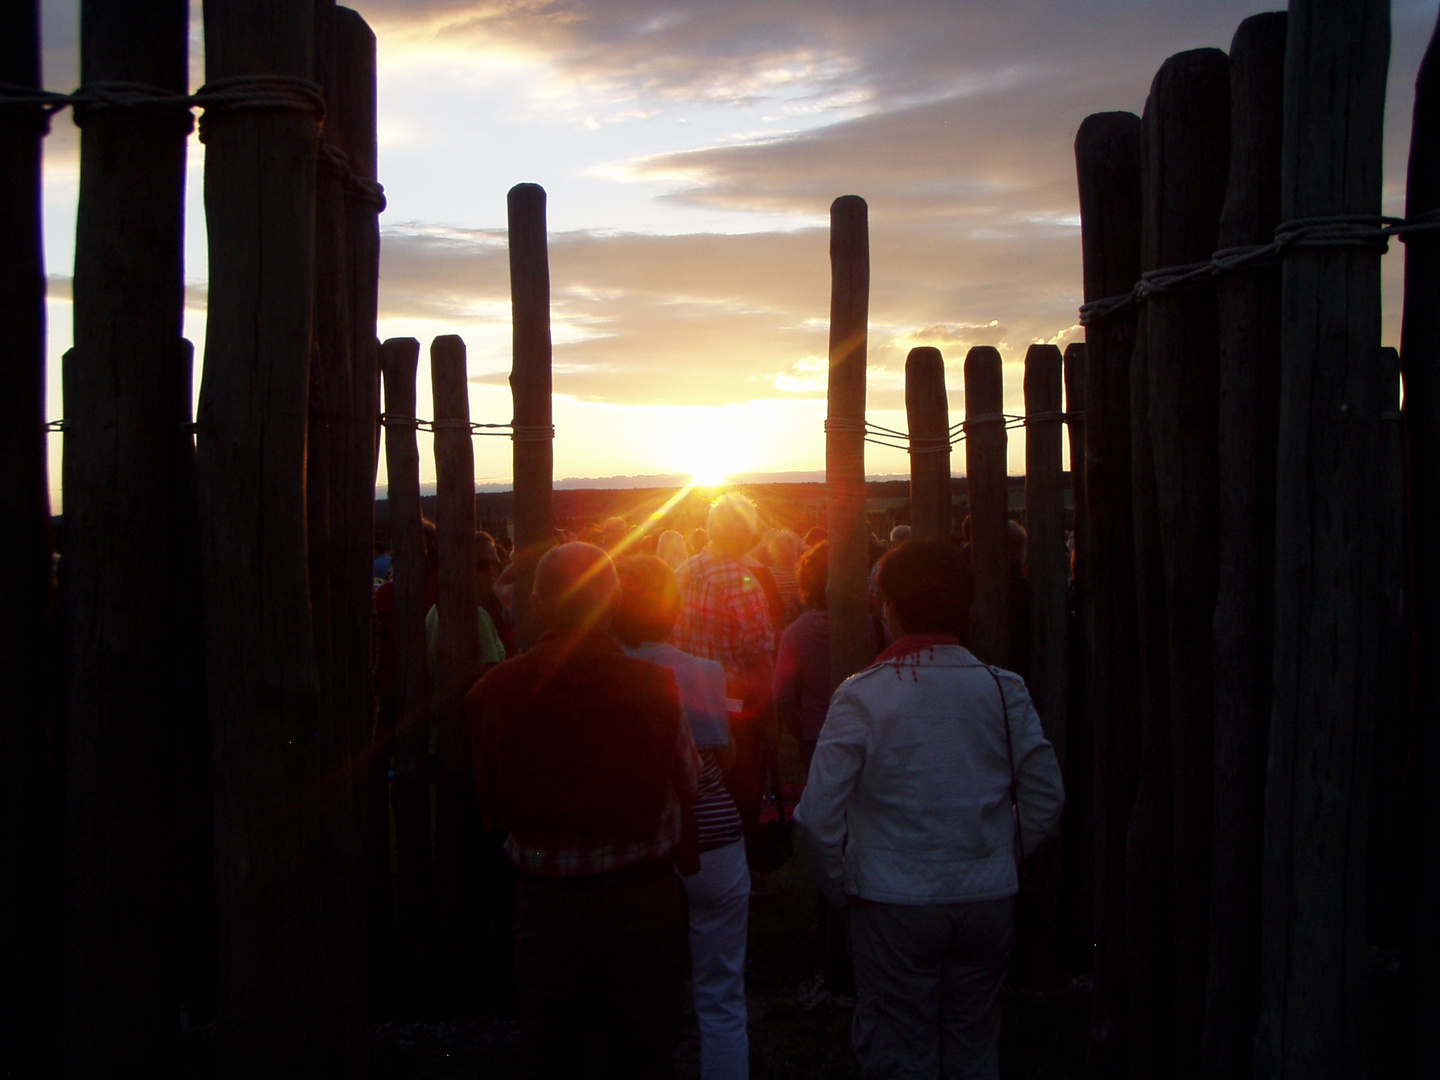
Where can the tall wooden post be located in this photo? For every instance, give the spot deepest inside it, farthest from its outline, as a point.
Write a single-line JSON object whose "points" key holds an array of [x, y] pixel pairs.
{"points": [[985, 443], [927, 414], [1045, 550], [1107, 160], [355, 130], [410, 791], [534, 450], [1314, 1011], [328, 509], [850, 645], [457, 825], [1078, 859], [1187, 138], [1420, 355], [29, 902], [125, 451], [1248, 303], [277, 1001]]}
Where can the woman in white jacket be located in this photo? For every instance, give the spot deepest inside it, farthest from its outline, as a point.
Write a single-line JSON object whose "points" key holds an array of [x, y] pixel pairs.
{"points": [[907, 819]]}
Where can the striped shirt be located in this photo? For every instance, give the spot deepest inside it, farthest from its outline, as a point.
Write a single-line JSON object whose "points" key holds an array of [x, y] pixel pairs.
{"points": [[715, 813]]}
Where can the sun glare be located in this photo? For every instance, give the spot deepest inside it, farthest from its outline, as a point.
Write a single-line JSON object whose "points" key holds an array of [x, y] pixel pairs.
{"points": [[708, 473]]}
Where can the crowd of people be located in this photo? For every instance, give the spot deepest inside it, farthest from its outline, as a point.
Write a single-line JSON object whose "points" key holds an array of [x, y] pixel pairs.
{"points": [[624, 755]]}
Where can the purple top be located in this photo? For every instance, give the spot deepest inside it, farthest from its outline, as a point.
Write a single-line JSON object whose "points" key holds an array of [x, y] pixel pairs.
{"points": [[802, 674]]}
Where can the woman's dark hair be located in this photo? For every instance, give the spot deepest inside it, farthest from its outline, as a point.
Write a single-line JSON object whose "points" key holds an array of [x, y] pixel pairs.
{"points": [[929, 587], [811, 574], [649, 600]]}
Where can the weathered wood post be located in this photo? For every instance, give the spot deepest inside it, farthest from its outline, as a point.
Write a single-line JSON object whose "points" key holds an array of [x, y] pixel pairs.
{"points": [[410, 790], [278, 1001], [927, 412], [1047, 620], [1045, 550], [1314, 998], [985, 443], [328, 508], [1248, 302], [125, 460], [356, 131], [850, 645], [329, 398], [457, 826], [1078, 860], [1420, 356], [530, 385], [29, 902], [1186, 163], [1107, 159]]}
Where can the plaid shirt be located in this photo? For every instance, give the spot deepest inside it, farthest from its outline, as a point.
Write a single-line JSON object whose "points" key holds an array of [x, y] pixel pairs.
{"points": [[724, 615], [559, 857]]}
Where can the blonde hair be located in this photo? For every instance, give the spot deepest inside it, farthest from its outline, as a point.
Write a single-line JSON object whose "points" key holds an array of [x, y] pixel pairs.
{"points": [[671, 547], [732, 523]]}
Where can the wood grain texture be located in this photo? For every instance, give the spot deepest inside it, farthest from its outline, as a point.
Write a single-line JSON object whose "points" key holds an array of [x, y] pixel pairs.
{"points": [[277, 996], [1045, 549], [1314, 996], [1186, 147], [927, 412], [410, 788], [985, 443], [849, 532], [127, 642], [1248, 304], [530, 383], [457, 823], [1107, 160]]}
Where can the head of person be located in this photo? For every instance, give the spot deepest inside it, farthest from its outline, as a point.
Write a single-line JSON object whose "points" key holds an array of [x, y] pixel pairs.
{"points": [[591, 534], [487, 564], [733, 524], [1015, 543], [814, 536], [899, 534], [782, 548], [575, 588], [649, 600], [926, 588], [671, 548], [696, 541], [613, 533], [812, 574]]}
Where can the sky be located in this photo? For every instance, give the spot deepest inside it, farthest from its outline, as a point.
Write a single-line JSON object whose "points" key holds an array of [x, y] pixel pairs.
{"points": [[690, 152]]}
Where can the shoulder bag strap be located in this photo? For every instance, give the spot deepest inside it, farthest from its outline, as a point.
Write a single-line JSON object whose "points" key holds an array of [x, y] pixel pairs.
{"points": [[1010, 756]]}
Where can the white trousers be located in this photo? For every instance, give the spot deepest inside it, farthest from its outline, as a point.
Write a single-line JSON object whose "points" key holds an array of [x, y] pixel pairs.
{"points": [[719, 918]]}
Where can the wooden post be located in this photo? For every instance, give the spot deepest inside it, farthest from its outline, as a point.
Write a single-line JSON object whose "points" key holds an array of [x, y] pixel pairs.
{"points": [[355, 130], [534, 449], [457, 825], [278, 1004], [125, 452], [1107, 159], [29, 902], [410, 791], [1248, 303], [927, 414], [1045, 550], [1186, 147], [1420, 356], [846, 592], [1078, 859], [1314, 999], [985, 443]]}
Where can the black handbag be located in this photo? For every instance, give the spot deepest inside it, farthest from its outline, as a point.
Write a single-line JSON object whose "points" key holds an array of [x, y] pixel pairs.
{"points": [[1035, 961], [771, 844]]}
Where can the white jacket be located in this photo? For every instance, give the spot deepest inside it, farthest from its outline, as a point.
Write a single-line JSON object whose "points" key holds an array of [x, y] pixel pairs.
{"points": [[908, 800]]}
